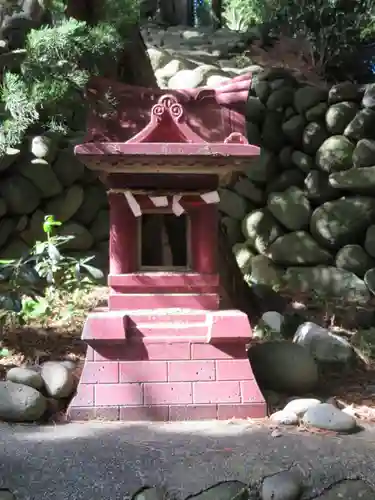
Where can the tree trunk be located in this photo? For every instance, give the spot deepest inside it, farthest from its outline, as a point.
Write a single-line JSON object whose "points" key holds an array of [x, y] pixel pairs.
{"points": [[134, 66]]}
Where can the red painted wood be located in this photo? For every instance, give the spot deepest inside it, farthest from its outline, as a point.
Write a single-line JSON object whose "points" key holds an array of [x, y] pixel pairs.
{"points": [[163, 350], [154, 379], [122, 249], [123, 149], [142, 301], [212, 114], [204, 239], [178, 182], [157, 282]]}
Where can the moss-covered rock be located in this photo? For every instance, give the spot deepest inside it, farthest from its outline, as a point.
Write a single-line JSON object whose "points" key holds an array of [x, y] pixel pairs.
{"points": [[261, 228], [342, 222], [335, 154], [291, 208], [353, 258], [298, 249]]}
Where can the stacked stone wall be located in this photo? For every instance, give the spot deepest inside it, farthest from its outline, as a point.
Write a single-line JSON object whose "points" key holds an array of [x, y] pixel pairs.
{"points": [[43, 177], [303, 215]]}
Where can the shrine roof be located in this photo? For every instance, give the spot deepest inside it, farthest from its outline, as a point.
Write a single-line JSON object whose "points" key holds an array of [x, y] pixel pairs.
{"points": [[125, 120], [211, 113]]}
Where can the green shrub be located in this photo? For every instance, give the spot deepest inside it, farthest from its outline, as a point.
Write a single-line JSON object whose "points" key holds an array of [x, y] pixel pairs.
{"points": [[29, 286], [58, 61], [334, 29]]}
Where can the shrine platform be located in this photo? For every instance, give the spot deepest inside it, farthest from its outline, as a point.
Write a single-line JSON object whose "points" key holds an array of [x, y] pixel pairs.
{"points": [[166, 365]]}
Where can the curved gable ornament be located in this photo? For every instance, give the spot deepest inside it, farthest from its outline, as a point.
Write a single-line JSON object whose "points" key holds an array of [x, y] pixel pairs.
{"points": [[167, 111]]}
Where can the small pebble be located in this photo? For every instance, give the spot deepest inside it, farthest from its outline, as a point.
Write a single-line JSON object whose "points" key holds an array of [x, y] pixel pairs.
{"points": [[328, 417], [301, 405], [284, 417], [276, 433]]}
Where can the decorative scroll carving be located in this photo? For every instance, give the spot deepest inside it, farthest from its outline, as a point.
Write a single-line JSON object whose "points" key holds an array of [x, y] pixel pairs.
{"points": [[236, 138], [168, 104]]}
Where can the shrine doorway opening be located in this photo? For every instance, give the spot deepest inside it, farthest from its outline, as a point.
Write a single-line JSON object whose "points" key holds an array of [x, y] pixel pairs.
{"points": [[164, 242]]}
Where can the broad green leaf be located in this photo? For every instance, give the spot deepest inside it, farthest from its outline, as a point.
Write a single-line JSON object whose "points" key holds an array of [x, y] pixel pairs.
{"points": [[95, 273], [40, 308], [53, 253]]}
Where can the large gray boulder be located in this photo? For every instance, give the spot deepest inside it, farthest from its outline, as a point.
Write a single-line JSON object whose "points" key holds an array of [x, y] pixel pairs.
{"points": [[291, 208], [308, 97], [361, 126], [290, 177], [318, 189], [247, 189], [354, 258], [42, 176], [335, 154], [272, 136], [25, 376], [345, 91], [232, 229], [327, 281], [68, 168], [360, 180], [299, 406], [298, 248], [328, 417], [243, 255], [283, 366], [261, 228], [19, 194], [65, 205], [293, 129], [82, 238], [94, 199], [254, 110], [303, 161], [313, 137], [280, 98], [364, 153], [323, 345], [343, 221], [265, 272], [58, 380], [21, 403], [317, 112], [263, 168], [232, 204], [10, 156], [339, 115]]}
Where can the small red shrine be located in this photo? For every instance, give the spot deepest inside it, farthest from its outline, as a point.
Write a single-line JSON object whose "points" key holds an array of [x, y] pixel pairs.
{"points": [[165, 349]]}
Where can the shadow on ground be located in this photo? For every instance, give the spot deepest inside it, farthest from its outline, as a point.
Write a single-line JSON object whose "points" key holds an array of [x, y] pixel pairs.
{"points": [[111, 461]]}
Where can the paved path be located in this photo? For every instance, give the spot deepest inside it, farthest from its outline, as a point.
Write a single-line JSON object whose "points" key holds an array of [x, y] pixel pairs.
{"points": [[100, 461]]}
